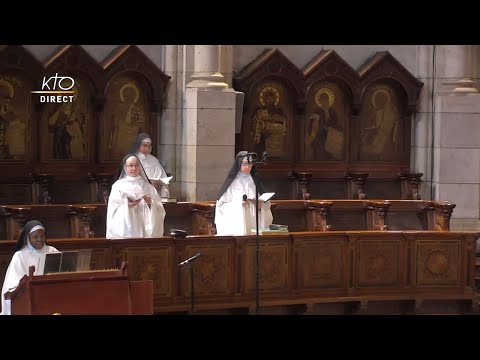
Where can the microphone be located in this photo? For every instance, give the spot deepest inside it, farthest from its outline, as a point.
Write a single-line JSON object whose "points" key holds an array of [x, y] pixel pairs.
{"points": [[189, 260], [244, 197], [251, 157]]}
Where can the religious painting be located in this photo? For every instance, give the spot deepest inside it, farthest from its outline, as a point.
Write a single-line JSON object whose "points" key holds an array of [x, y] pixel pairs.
{"points": [[15, 112], [124, 117], [66, 125], [269, 126], [380, 124], [326, 115]]}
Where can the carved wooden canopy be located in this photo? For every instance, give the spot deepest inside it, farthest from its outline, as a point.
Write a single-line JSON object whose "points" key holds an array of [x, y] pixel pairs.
{"points": [[112, 102], [327, 117]]}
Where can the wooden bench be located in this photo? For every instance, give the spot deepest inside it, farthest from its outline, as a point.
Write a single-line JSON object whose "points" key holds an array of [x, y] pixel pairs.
{"points": [[197, 218]]}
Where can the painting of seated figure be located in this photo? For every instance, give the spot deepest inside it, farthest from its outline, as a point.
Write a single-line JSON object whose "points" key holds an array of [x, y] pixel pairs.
{"points": [[269, 125]]}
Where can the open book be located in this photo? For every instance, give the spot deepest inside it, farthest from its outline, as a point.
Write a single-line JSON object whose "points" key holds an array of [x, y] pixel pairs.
{"points": [[162, 181], [133, 197], [265, 196]]}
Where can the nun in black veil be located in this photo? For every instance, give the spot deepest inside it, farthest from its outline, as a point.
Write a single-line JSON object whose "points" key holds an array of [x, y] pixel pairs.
{"points": [[235, 208]]}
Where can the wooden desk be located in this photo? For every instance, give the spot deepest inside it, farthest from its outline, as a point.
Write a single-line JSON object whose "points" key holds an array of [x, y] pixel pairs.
{"points": [[85, 293]]}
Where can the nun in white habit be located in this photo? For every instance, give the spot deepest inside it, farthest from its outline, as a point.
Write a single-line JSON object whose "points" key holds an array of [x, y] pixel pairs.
{"points": [[135, 208], [30, 250], [153, 169], [233, 214]]}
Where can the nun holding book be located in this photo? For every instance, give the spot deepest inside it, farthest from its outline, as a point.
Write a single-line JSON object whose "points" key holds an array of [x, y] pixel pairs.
{"points": [[236, 203], [135, 208]]}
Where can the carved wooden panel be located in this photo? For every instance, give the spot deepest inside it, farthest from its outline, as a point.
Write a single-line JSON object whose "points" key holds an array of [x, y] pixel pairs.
{"points": [[437, 263], [376, 189], [403, 220], [280, 186], [213, 270], [333, 189], [320, 265], [295, 220], [378, 263], [152, 263], [274, 261], [344, 120], [101, 258], [71, 192], [16, 194], [347, 220]]}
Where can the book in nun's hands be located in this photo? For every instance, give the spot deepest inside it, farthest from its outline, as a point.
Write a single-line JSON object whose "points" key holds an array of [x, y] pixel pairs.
{"points": [[266, 196], [162, 181], [134, 197]]}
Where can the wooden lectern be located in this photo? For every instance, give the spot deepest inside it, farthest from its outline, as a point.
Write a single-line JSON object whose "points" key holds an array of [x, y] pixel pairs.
{"points": [[97, 292]]}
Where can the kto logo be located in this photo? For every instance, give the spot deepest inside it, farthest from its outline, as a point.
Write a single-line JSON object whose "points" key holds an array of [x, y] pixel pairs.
{"points": [[60, 89]]}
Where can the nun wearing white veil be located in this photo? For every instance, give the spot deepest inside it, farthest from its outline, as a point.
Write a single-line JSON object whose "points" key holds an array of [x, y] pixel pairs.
{"points": [[135, 208]]}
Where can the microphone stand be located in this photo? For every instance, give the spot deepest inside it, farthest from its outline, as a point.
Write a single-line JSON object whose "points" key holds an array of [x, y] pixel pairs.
{"points": [[189, 262], [257, 252]]}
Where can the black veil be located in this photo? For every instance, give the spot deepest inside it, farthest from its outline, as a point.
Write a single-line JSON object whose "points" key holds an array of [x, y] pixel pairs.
{"points": [[122, 171], [138, 142], [233, 173], [23, 239]]}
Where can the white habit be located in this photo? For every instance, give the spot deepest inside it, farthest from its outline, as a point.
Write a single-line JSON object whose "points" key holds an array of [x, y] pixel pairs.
{"points": [[18, 268], [137, 221], [232, 217]]}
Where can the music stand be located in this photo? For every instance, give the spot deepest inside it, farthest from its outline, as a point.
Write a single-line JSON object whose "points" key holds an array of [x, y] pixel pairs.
{"points": [[189, 262], [255, 161]]}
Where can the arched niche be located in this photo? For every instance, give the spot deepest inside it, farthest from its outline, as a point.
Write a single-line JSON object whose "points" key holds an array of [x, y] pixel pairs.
{"points": [[326, 127], [134, 96], [70, 128], [272, 86]]}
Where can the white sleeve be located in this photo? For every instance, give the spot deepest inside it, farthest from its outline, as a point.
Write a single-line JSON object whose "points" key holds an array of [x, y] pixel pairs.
{"points": [[15, 271]]}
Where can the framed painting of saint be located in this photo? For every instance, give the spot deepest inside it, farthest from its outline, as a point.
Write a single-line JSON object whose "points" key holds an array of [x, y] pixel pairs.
{"points": [[380, 125], [325, 123], [270, 123], [15, 114], [66, 125], [124, 117]]}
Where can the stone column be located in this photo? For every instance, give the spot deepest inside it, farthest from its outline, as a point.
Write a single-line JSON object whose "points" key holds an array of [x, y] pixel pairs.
{"points": [[456, 149], [456, 156], [208, 134], [455, 68], [206, 68]]}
